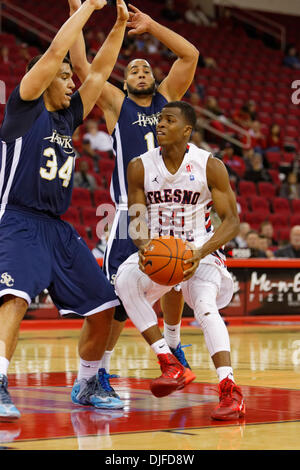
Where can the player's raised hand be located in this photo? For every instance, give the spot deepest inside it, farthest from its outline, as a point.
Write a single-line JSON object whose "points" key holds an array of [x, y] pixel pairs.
{"points": [[123, 13], [139, 22]]}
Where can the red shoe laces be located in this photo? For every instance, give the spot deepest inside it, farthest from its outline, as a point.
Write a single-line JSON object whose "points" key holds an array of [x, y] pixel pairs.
{"points": [[226, 397], [168, 368]]}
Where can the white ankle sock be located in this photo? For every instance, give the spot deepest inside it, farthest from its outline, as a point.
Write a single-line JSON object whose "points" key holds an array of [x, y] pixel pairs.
{"points": [[4, 363], [172, 334], [105, 361], [87, 369], [224, 372], [160, 347]]}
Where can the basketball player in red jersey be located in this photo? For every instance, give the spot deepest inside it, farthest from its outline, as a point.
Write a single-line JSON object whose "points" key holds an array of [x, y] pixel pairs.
{"points": [[177, 166], [131, 121]]}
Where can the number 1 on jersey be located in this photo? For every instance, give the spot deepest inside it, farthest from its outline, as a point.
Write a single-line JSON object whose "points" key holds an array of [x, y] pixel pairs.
{"points": [[149, 138]]}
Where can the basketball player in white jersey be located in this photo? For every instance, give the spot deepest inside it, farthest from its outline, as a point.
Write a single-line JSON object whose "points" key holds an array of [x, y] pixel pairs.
{"points": [[174, 187], [131, 119]]}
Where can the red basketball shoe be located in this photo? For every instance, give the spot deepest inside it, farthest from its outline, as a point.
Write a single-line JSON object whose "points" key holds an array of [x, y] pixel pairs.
{"points": [[231, 402], [172, 378]]}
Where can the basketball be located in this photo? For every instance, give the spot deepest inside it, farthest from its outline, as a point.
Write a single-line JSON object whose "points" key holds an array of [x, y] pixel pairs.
{"points": [[164, 260]]}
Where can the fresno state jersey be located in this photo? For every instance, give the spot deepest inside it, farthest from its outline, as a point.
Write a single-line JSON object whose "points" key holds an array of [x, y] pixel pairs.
{"points": [[178, 204]]}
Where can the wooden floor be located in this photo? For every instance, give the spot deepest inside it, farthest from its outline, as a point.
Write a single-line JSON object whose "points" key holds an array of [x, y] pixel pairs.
{"points": [[266, 361]]}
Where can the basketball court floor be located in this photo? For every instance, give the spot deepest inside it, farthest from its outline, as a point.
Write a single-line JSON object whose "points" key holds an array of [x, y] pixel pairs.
{"points": [[266, 361]]}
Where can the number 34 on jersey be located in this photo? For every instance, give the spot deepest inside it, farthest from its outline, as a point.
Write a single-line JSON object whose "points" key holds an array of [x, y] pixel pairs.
{"points": [[51, 170]]}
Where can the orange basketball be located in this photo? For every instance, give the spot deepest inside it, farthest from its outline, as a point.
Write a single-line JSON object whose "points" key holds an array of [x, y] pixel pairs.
{"points": [[164, 260]]}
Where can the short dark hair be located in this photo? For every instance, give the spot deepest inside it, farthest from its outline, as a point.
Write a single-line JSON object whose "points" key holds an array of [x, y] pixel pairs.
{"points": [[186, 109], [35, 59]]}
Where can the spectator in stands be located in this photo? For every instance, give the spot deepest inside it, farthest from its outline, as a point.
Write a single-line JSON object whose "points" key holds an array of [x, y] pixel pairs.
{"points": [[82, 178], [244, 116], [252, 240], [263, 244], [274, 139], [292, 250], [151, 45], [24, 54], [230, 159], [266, 229], [95, 139], [257, 138], [291, 58], [4, 55], [169, 12], [206, 62], [197, 139], [290, 189], [212, 105], [240, 240], [257, 172], [194, 14]]}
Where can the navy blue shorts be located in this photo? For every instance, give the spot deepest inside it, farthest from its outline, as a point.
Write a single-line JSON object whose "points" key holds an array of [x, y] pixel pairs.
{"points": [[39, 252], [119, 246]]}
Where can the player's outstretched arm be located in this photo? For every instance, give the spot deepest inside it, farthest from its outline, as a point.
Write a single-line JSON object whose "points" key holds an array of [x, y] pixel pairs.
{"points": [[181, 75], [225, 205], [138, 228], [104, 61], [37, 80], [80, 64]]}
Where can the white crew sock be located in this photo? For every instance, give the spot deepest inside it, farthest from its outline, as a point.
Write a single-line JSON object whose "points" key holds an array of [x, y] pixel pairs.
{"points": [[87, 369], [172, 334], [160, 347], [105, 361], [4, 363], [224, 372]]}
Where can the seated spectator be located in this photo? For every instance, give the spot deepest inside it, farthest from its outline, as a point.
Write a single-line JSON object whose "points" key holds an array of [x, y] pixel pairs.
{"points": [[206, 62], [244, 116], [263, 244], [240, 240], [252, 240], [24, 54], [230, 159], [95, 139], [194, 14], [291, 58], [257, 138], [257, 172], [292, 250], [266, 229], [213, 106], [274, 140], [197, 139], [169, 13], [290, 189], [4, 55], [151, 45], [82, 179]]}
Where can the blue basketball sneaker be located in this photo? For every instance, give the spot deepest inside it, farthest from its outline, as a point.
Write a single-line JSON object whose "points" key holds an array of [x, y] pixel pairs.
{"points": [[96, 392], [8, 410], [179, 354]]}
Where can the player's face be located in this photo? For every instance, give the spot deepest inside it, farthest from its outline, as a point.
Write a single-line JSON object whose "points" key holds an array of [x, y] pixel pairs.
{"points": [[171, 127], [59, 92], [140, 80]]}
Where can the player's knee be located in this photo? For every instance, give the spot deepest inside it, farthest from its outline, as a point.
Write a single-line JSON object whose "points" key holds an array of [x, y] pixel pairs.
{"points": [[205, 311], [120, 314]]}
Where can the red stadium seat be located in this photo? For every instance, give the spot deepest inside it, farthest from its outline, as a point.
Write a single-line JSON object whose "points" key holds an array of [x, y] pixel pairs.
{"points": [[242, 200], [279, 220], [280, 204], [89, 216], [283, 234], [274, 159], [247, 188], [295, 205], [72, 215], [81, 197], [101, 196], [259, 203], [294, 220], [266, 189], [256, 218]]}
